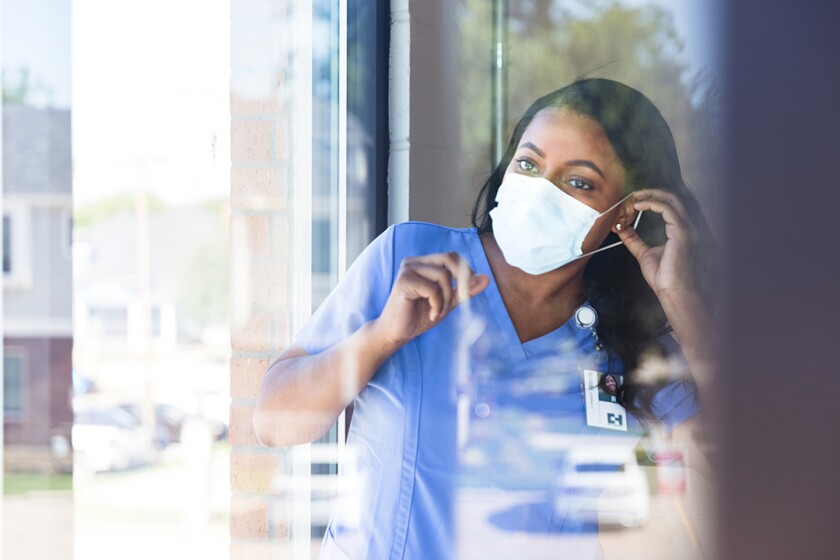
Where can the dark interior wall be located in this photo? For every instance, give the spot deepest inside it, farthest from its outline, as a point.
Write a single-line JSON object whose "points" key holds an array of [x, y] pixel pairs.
{"points": [[438, 192], [780, 379]]}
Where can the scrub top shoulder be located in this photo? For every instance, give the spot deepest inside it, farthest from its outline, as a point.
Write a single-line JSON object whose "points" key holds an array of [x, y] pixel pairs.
{"points": [[408, 422]]}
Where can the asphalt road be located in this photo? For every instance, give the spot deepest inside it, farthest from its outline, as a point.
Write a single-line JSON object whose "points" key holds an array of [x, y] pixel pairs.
{"points": [[679, 527], [148, 513], [163, 511]]}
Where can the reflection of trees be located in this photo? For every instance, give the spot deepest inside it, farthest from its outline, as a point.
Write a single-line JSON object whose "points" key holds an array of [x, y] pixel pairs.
{"points": [[23, 89], [204, 283], [552, 42]]}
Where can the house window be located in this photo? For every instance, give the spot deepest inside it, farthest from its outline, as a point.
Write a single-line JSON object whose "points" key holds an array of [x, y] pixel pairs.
{"points": [[17, 257], [13, 376]]}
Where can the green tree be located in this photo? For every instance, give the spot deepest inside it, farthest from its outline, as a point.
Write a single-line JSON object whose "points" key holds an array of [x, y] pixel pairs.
{"points": [[24, 89], [204, 283], [553, 42]]}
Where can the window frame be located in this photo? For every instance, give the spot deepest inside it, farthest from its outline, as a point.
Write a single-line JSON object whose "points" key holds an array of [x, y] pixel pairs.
{"points": [[321, 200]]}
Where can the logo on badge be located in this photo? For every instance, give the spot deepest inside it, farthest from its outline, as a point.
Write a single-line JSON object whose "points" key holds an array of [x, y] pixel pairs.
{"points": [[615, 419]]}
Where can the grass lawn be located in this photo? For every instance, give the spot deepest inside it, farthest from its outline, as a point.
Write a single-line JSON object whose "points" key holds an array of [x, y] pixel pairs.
{"points": [[18, 483]]}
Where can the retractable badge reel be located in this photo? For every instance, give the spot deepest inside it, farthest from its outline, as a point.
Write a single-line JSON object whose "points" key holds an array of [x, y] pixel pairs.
{"points": [[587, 318]]}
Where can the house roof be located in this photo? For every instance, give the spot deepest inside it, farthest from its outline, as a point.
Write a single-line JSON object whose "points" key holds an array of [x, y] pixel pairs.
{"points": [[37, 156]]}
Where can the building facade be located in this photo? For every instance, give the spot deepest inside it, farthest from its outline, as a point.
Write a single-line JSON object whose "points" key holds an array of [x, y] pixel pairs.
{"points": [[37, 284]]}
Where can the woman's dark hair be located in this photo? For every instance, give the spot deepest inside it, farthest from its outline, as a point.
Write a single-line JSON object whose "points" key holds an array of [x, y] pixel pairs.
{"points": [[630, 318]]}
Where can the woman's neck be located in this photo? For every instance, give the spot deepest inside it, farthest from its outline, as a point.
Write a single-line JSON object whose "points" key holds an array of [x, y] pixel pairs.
{"points": [[538, 304]]}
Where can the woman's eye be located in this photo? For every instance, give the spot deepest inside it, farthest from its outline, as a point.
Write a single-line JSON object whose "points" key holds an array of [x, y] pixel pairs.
{"points": [[580, 184], [527, 166]]}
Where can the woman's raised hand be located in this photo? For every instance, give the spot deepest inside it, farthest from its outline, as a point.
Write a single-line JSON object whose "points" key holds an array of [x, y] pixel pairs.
{"points": [[427, 288], [667, 269], [302, 394]]}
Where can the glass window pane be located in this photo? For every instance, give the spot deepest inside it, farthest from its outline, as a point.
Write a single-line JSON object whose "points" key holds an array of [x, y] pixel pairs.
{"points": [[511, 53], [37, 279], [13, 379]]}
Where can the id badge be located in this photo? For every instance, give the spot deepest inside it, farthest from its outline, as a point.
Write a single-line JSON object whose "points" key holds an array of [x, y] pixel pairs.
{"points": [[601, 401]]}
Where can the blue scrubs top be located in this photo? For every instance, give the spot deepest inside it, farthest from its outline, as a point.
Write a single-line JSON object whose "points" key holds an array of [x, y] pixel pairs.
{"points": [[418, 414]]}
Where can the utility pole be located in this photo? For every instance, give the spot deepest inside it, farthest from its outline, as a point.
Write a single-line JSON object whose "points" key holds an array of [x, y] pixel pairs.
{"points": [[141, 231]]}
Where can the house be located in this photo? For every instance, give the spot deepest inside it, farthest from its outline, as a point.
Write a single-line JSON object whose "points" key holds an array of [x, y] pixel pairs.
{"points": [[37, 288]]}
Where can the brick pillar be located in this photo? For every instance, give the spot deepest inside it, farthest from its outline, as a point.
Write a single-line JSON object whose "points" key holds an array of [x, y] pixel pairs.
{"points": [[261, 168]]}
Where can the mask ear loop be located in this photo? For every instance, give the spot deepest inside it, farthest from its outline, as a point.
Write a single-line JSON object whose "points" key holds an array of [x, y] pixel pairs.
{"points": [[617, 243]]}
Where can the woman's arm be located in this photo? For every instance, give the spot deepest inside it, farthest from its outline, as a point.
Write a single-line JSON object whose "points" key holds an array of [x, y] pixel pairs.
{"points": [[302, 395]]}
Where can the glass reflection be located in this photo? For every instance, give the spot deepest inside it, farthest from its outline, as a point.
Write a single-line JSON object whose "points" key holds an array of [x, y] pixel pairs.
{"points": [[669, 52], [536, 477], [37, 321]]}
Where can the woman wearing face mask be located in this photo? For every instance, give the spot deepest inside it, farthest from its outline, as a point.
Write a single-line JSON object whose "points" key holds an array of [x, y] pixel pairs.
{"points": [[585, 245]]}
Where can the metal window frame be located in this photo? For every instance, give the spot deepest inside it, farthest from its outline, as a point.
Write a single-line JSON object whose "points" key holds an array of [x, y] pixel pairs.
{"points": [[302, 456]]}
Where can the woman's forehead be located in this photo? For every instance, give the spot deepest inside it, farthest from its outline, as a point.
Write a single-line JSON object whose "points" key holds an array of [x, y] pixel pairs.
{"points": [[557, 125], [567, 135]]}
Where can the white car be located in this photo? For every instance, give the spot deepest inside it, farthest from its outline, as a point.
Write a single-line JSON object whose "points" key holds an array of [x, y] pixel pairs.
{"points": [[603, 484], [107, 438]]}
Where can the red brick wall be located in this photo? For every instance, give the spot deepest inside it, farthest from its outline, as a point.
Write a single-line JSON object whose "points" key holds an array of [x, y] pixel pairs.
{"points": [[261, 167], [47, 411]]}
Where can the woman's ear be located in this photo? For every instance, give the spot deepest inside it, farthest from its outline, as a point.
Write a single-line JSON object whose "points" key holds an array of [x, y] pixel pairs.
{"points": [[625, 216]]}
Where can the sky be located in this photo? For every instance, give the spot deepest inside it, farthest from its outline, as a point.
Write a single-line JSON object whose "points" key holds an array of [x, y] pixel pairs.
{"points": [[150, 98], [36, 36]]}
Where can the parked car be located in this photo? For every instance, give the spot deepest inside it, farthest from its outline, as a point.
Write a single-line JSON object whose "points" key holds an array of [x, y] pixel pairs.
{"points": [[169, 420], [82, 385], [604, 484], [107, 438]]}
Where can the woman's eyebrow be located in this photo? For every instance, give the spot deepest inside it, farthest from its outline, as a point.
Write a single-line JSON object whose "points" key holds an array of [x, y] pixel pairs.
{"points": [[533, 148], [587, 163], [578, 162]]}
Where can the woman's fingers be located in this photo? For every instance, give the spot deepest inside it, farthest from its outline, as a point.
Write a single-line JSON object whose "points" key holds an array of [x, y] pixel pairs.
{"points": [[458, 268], [665, 196], [417, 286], [633, 242], [438, 274], [477, 284], [455, 280], [674, 223]]}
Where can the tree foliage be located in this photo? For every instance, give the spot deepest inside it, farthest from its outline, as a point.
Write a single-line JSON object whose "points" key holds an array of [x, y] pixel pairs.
{"points": [[553, 42], [23, 89]]}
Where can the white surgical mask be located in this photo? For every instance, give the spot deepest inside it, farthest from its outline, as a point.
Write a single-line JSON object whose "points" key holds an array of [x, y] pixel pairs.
{"points": [[539, 227]]}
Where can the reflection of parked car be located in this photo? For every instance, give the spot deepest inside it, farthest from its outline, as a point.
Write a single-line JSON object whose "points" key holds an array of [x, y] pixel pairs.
{"points": [[108, 438], [168, 422], [604, 484], [82, 385]]}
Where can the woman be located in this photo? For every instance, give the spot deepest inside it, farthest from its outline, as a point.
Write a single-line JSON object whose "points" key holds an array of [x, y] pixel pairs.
{"points": [[559, 234]]}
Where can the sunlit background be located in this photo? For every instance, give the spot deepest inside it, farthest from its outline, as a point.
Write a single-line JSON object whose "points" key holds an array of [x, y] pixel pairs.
{"points": [[184, 181], [133, 97]]}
